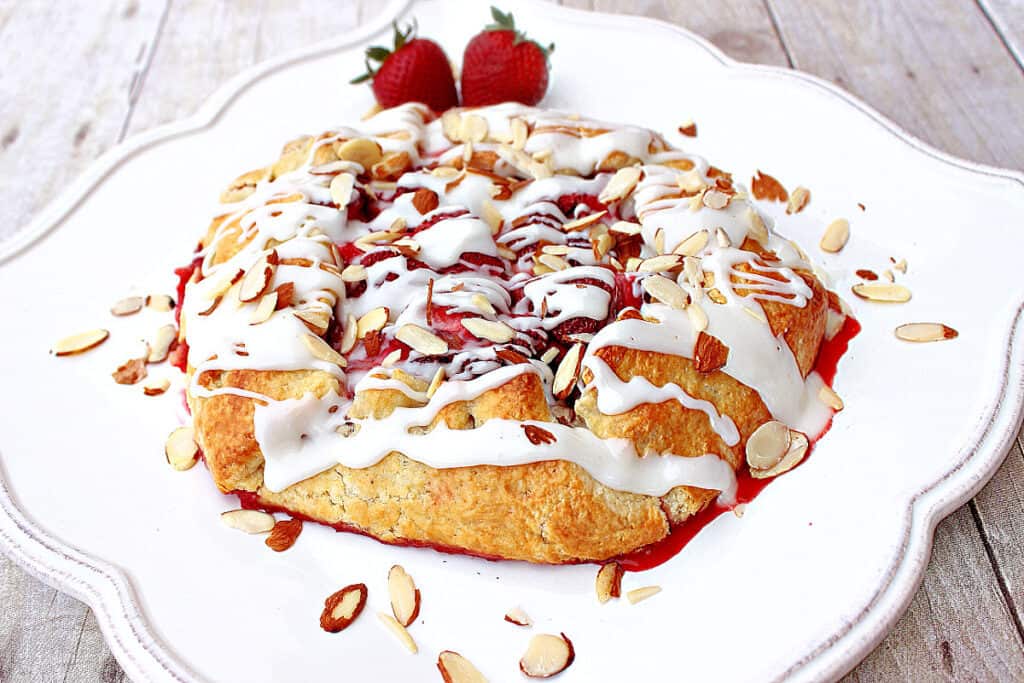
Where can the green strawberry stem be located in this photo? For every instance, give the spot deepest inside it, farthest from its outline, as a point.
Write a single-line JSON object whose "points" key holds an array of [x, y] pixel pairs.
{"points": [[378, 53], [504, 21]]}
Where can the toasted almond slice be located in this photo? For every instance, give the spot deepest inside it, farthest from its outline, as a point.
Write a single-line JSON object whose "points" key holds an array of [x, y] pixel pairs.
{"points": [[757, 229], [709, 353], [403, 636], [155, 387], [767, 445], [373, 321], [283, 535], [353, 273], [264, 309], [568, 372], [798, 200], [638, 594], [160, 303], [405, 597], [925, 332], [316, 320], [491, 330], [798, 445], [882, 292], [666, 291], [609, 582], [723, 238], [435, 383], [455, 668], [660, 264], [362, 151], [342, 608], [181, 449], [491, 216], [348, 335], [341, 189], [77, 343], [424, 200], [693, 244], [132, 371], [716, 199], [421, 340], [625, 228], [553, 262], [323, 351], [621, 185], [128, 306], [829, 397], [256, 281], [518, 617], [249, 521], [698, 318], [547, 655], [836, 236], [581, 223]]}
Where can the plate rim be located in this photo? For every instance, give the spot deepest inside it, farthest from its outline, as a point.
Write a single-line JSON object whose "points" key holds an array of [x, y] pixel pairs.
{"points": [[109, 593]]}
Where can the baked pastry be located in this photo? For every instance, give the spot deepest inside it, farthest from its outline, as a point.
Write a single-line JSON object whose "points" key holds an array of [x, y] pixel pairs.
{"points": [[506, 331]]}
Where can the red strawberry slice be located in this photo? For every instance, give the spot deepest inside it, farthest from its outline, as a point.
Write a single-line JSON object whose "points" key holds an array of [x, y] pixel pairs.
{"points": [[500, 65], [415, 70]]}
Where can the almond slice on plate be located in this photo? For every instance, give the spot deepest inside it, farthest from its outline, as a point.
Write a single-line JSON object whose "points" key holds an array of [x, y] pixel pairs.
{"points": [[798, 199], [491, 330], [128, 306], [342, 608], [422, 340], [925, 332], [405, 597], [547, 655], [323, 351], [249, 521], [77, 343], [455, 668], [181, 449], [132, 371], [568, 372], [160, 303], [518, 617], [403, 635], [666, 291], [609, 582], [155, 387], [160, 346], [882, 292], [837, 234], [638, 594], [284, 534], [620, 185]]}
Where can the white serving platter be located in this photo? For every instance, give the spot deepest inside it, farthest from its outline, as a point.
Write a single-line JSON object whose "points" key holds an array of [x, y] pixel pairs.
{"points": [[801, 587]]}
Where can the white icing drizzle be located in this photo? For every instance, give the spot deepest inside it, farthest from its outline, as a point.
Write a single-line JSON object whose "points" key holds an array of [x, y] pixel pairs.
{"points": [[459, 255]]}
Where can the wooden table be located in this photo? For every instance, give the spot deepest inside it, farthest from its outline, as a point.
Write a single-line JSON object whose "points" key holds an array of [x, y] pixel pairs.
{"points": [[79, 77]]}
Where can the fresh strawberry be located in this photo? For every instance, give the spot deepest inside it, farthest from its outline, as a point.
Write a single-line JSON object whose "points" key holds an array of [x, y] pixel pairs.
{"points": [[501, 65], [415, 70]]}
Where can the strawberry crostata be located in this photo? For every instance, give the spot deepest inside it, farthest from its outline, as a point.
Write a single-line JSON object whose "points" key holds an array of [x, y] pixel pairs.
{"points": [[505, 331]]}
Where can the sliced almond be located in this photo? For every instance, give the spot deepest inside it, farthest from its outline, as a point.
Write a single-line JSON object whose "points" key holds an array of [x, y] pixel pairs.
{"points": [[473, 128], [396, 628], [342, 608], [160, 303], [798, 200], [836, 236], [925, 332], [767, 445], [391, 358], [621, 185], [181, 449], [491, 330], [362, 151], [341, 189], [709, 353], [723, 238], [716, 199], [435, 383], [666, 291], [424, 200], [547, 655], [77, 343], [283, 535], [520, 132], [132, 371], [256, 281], [829, 397], [798, 446], [155, 387], [882, 292], [765, 187], [586, 221], [128, 306], [421, 340], [405, 597], [264, 309], [518, 617], [638, 594], [698, 318], [660, 264], [568, 372], [491, 216], [455, 668], [321, 350], [609, 582], [373, 321], [482, 303], [160, 345], [316, 320], [692, 245], [348, 335], [249, 521], [757, 230], [555, 263], [626, 228], [353, 273], [451, 124]]}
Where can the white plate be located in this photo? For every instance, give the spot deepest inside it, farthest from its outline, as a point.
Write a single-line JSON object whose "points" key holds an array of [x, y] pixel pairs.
{"points": [[804, 585]]}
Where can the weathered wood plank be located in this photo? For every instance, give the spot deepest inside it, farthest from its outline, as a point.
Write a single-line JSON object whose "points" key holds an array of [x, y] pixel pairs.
{"points": [[1007, 16]]}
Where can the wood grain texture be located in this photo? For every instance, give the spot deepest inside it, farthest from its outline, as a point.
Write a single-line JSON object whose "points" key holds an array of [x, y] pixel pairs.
{"points": [[943, 69]]}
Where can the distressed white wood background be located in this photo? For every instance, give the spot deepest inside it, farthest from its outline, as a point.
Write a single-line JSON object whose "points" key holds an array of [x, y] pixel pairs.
{"points": [[80, 76]]}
